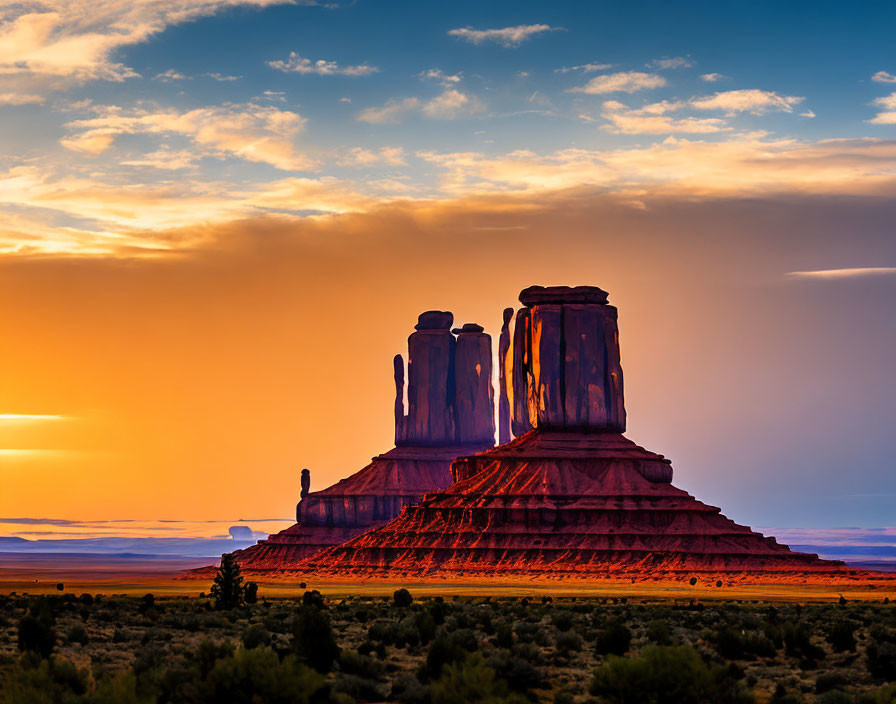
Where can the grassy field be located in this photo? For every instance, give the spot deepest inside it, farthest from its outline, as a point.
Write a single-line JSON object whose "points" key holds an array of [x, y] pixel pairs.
{"points": [[460, 647]]}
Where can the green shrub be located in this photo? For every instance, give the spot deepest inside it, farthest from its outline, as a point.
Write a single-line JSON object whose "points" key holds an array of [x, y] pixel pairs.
{"points": [[256, 636], [883, 695], [658, 632], [76, 634], [568, 642], [258, 675], [666, 675], [829, 681], [834, 696], [447, 649], [562, 620], [520, 674], [471, 681]]}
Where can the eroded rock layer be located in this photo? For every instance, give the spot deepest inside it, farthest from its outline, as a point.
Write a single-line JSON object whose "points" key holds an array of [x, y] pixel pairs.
{"points": [[570, 497], [450, 413], [565, 504], [369, 498]]}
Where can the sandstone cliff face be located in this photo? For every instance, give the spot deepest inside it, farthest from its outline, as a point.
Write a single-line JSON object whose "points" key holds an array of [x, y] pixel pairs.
{"points": [[566, 365], [570, 497]]}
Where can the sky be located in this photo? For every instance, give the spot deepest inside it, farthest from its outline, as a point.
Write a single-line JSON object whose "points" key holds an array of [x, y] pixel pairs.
{"points": [[219, 220]]}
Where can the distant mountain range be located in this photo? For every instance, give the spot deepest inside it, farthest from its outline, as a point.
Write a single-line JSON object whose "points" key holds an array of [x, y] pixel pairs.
{"points": [[179, 547]]}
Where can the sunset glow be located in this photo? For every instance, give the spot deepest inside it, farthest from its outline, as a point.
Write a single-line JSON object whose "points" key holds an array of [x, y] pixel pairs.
{"points": [[221, 218]]}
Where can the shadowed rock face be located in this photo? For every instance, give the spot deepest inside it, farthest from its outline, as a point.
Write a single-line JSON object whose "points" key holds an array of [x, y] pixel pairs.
{"points": [[570, 496], [450, 413], [566, 369]]}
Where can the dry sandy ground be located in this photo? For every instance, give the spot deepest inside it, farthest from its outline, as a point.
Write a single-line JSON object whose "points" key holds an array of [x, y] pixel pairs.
{"points": [[39, 574]]}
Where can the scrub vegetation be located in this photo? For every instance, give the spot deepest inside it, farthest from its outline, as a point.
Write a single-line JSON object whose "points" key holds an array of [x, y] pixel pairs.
{"points": [[228, 648]]}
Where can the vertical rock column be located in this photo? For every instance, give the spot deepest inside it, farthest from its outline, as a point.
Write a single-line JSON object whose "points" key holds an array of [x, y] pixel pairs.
{"points": [[505, 373], [431, 384], [566, 366], [474, 393]]}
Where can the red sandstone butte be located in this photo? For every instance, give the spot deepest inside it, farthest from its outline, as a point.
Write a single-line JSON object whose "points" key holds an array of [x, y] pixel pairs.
{"points": [[570, 497], [450, 413]]}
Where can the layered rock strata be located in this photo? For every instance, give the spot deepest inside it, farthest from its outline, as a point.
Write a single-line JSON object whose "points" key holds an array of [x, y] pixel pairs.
{"points": [[570, 497], [450, 413]]}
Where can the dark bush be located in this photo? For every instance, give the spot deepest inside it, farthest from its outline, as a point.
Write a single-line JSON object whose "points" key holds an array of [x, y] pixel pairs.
{"points": [[402, 598], [520, 674], [313, 638], [562, 620], [251, 593], [361, 665], [835, 696], [613, 639], [568, 641], [729, 644], [666, 675], [313, 598], [37, 635], [881, 657], [829, 681], [256, 636], [227, 589], [658, 632], [447, 649], [842, 637], [76, 634]]}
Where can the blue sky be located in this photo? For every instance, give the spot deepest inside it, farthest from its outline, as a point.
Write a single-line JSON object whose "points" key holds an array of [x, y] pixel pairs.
{"points": [[339, 107], [177, 175]]}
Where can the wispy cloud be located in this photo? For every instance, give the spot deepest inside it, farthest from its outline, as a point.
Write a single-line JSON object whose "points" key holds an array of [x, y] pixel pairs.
{"points": [[437, 74], [836, 274], [299, 64], [584, 68], [752, 101], [888, 116], [21, 99], [506, 36], [449, 105], [883, 77], [253, 132], [739, 166], [622, 82], [362, 157], [222, 77], [70, 41], [170, 75], [671, 63], [713, 77], [391, 112], [651, 119]]}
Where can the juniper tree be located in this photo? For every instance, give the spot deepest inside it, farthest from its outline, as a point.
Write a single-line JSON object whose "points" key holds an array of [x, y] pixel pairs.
{"points": [[227, 590]]}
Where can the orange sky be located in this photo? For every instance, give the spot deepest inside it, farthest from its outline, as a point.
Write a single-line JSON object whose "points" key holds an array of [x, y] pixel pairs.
{"points": [[197, 386]]}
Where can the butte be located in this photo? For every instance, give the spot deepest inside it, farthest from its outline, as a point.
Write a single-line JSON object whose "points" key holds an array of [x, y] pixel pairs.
{"points": [[569, 497], [450, 412]]}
